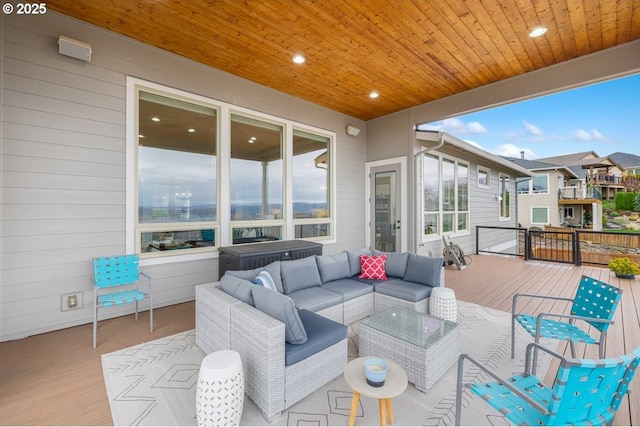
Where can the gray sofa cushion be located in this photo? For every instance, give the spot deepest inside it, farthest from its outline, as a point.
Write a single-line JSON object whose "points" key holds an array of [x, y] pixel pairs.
{"points": [[354, 260], [238, 288], [281, 307], [273, 269], [424, 270], [333, 267], [349, 289], [299, 274], [322, 333], [315, 299], [402, 289], [396, 265]]}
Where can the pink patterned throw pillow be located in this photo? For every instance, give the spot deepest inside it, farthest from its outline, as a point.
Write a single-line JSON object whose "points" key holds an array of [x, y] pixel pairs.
{"points": [[373, 267]]}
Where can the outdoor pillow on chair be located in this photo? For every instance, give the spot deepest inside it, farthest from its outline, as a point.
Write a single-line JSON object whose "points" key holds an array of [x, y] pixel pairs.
{"points": [[333, 267], [424, 270], [265, 279], [273, 269], [396, 265], [373, 267], [281, 307], [238, 288]]}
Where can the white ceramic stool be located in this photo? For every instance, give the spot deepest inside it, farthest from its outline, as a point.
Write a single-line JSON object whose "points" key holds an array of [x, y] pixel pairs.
{"points": [[443, 305], [220, 392]]}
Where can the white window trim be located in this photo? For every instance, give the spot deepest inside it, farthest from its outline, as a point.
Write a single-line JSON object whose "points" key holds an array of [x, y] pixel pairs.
{"points": [[500, 197], [532, 191], [440, 213], [539, 207], [488, 172], [224, 225]]}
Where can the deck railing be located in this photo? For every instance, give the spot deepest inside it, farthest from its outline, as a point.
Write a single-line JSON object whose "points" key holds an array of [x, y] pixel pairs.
{"points": [[573, 246], [577, 193]]}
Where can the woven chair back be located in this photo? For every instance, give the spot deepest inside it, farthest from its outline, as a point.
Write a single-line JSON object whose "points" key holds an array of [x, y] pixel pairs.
{"points": [[116, 270], [596, 299], [589, 392]]}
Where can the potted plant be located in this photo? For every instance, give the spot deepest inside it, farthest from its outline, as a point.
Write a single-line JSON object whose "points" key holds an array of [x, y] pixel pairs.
{"points": [[624, 267]]}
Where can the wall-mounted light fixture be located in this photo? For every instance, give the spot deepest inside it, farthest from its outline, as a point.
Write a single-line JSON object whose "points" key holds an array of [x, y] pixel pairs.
{"points": [[498, 197], [74, 48], [352, 130]]}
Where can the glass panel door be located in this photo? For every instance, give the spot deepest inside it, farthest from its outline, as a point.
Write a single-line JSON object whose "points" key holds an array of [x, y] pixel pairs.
{"points": [[385, 205]]}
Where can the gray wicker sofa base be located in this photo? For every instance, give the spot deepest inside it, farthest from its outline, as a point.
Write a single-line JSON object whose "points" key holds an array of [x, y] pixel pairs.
{"points": [[223, 322], [321, 285]]}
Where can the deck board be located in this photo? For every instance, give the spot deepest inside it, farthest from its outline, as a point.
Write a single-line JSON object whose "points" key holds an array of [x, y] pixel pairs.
{"points": [[493, 280], [43, 377]]}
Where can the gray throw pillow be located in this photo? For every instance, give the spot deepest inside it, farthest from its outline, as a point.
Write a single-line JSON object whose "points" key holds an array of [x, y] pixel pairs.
{"points": [[333, 267], [396, 265], [354, 260], [273, 269], [300, 274], [424, 270], [238, 288], [281, 307], [244, 274]]}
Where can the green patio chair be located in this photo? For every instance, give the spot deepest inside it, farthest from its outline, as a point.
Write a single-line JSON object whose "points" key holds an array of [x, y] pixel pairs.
{"points": [[584, 392], [116, 282], [594, 304]]}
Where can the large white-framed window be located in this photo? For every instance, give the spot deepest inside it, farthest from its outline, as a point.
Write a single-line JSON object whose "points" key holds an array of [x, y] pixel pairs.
{"points": [[504, 197], [540, 215], [444, 183], [539, 184], [202, 174]]}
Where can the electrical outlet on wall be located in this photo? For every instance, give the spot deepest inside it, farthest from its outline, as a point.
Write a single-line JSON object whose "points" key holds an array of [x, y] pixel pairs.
{"points": [[71, 301]]}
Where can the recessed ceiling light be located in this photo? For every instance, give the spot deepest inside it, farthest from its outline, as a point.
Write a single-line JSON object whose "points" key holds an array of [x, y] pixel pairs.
{"points": [[374, 95], [155, 119], [299, 59], [191, 130], [538, 31]]}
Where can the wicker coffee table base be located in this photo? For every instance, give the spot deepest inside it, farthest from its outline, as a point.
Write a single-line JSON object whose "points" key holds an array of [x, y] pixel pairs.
{"points": [[424, 366]]}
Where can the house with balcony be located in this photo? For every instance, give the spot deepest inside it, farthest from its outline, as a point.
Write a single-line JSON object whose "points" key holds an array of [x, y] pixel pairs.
{"points": [[541, 198], [603, 174], [567, 190], [630, 164]]}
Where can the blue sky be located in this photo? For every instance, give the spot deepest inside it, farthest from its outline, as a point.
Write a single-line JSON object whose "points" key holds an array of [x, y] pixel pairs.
{"points": [[603, 117]]}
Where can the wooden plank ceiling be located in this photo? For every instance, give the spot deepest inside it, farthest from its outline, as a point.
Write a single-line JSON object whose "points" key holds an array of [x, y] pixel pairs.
{"points": [[410, 52]]}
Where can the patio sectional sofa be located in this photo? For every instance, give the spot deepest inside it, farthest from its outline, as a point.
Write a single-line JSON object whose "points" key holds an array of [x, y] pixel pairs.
{"points": [[294, 340]]}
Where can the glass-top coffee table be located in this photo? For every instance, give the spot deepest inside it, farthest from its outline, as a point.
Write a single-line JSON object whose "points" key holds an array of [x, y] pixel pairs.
{"points": [[426, 347]]}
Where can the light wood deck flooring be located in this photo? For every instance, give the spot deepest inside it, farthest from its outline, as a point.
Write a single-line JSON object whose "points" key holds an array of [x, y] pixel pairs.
{"points": [[493, 280], [56, 378]]}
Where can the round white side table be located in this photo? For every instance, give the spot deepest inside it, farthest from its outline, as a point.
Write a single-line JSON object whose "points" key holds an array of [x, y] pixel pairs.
{"points": [[394, 385], [220, 392], [443, 305]]}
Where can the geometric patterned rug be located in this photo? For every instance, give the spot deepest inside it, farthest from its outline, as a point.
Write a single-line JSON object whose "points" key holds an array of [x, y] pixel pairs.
{"points": [[155, 383]]}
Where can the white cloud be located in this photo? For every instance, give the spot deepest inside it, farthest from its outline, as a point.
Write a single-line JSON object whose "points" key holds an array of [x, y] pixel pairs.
{"points": [[586, 136], [511, 150], [532, 129], [455, 126]]}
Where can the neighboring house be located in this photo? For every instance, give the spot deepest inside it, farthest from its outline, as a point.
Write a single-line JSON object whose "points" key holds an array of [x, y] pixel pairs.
{"points": [[538, 197], [568, 190], [631, 169], [601, 173], [79, 150]]}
